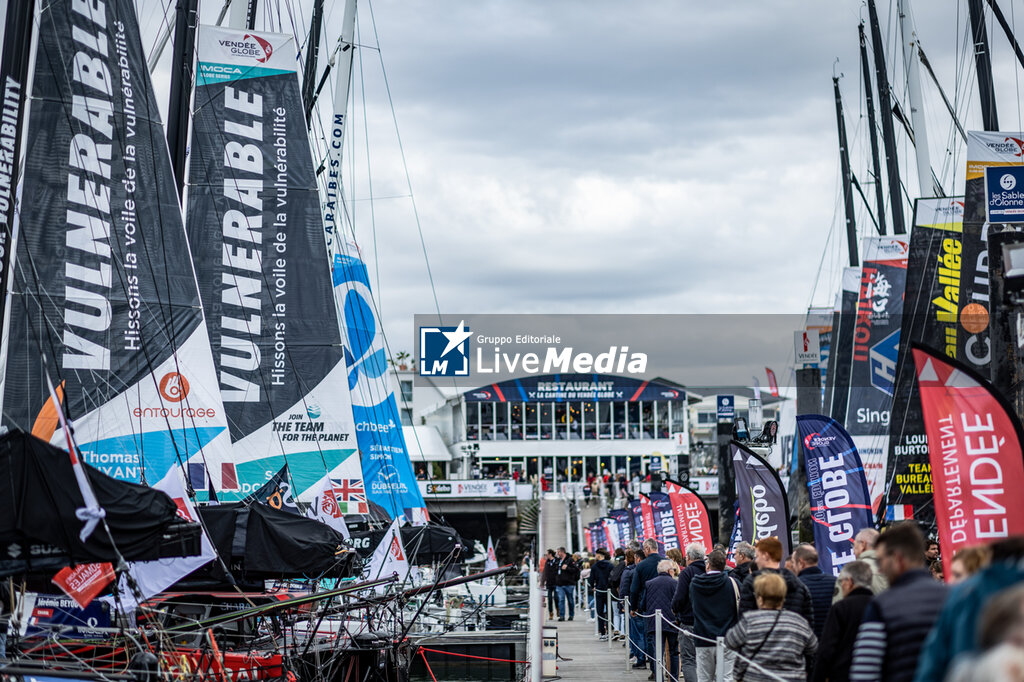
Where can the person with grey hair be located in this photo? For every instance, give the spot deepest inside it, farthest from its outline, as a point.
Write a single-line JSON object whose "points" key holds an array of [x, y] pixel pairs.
{"points": [[744, 558], [660, 590], [864, 549], [684, 608], [835, 648], [645, 571]]}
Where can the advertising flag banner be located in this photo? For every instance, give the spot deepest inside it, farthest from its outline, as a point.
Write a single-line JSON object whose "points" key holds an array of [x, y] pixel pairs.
{"points": [[975, 448], [691, 516], [611, 533], [636, 518], [588, 541], [665, 530], [624, 523], [773, 384], [102, 281], [256, 236], [647, 519], [839, 378], [491, 562], [837, 487], [931, 316], [764, 507], [387, 469], [735, 539], [876, 337], [389, 558], [277, 493], [84, 582]]}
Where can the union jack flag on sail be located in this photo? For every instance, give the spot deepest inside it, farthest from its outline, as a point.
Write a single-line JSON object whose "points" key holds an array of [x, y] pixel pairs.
{"points": [[351, 495]]}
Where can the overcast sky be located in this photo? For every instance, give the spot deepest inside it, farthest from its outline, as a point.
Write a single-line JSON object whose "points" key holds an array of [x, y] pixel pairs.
{"points": [[643, 157]]}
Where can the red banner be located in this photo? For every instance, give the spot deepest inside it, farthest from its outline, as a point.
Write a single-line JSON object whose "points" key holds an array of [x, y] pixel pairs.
{"points": [[647, 515], [84, 582], [974, 443], [691, 516], [587, 540], [773, 385]]}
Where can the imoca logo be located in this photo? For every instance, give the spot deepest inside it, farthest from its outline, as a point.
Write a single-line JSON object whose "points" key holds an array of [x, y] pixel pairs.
{"points": [[816, 440], [173, 387]]}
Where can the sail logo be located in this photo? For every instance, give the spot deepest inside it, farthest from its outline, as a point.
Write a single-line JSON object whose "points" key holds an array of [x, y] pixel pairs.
{"points": [[250, 45], [883, 363], [174, 387], [444, 351]]}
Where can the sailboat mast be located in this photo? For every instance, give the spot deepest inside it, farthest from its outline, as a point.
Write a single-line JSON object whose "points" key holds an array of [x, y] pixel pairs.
{"points": [[243, 14], [844, 156], [336, 139], [181, 87], [885, 111], [986, 90], [998, 13], [312, 51], [869, 99], [926, 186]]}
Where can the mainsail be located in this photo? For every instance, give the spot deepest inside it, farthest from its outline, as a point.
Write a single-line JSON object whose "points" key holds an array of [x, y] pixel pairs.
{"points": [[102, 284], [257, 241]]}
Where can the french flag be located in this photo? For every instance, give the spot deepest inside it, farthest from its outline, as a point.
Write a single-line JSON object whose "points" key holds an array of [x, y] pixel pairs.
{"points": [[899, 512]]}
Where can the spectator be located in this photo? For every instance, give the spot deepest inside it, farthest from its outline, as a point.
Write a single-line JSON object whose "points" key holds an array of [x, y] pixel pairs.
{"points": [[771, 636], [715, 600], [645, 570], [967, 562], [614, 578], [864, 550], [684, 610], [676, 555], [954, 634], [744, 558], [1000, 641], [549, 580], [931, 553], [835, 647], [600, 574], [767, 558], [936, 570], [897, 621], [637, 645], [818, 584], [568, 574], [659, 593]]}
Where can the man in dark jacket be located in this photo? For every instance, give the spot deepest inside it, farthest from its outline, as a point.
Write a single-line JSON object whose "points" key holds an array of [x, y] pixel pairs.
{"points": [[744, 558], [714, 598], [835, 646], [645, 570], [897, 621], [684, 610], [565, 581], [635, 629], [818, 584], [614, 605], [660, 591], [769, 558], [599, 580], [549, 580]]}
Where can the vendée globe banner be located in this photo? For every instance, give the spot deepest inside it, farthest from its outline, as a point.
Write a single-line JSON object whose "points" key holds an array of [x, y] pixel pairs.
{"points": [[975, 450], [764, 507], [691, 515], [637, 519], [665, 530], [387, 470], [647, 519], [624, 522], [838, 489]]}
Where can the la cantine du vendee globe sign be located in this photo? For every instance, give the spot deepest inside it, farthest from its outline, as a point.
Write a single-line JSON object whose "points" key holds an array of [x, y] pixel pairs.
{"points": [[458, 351]]}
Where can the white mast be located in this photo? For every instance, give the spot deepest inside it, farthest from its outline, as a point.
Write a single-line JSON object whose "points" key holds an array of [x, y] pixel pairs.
{"points": [[336, 137], [910, 62]]}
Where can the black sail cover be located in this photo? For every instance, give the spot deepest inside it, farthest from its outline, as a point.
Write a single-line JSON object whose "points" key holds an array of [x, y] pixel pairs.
{"points": [[257, 239], [39, 530], [102, 283]]}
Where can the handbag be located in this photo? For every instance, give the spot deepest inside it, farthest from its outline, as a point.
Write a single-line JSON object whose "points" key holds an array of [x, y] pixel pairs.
{"points": [[742, 673]]}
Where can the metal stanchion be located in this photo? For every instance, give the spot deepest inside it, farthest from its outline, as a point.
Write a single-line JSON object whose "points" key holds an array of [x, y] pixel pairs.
{"points": [[608, 621], [659, 654], [625, 608], [536, 628], [720, 659]]}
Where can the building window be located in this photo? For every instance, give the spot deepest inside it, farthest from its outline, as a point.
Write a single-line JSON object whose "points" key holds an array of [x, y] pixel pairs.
{"points": [[661, 419], [706, 419], [647, 419], [406, 386], [633, 420], [532, 420], [487, 421], [501, 421], [619, 419], [472, 421], [678, 417], [590, 421], [560, 421], [547, 421], [604, 420], [516, 421], [406, 417]]}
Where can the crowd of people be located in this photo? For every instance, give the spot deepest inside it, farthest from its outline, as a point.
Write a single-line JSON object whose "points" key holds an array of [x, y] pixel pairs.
{"points": [[886, 616]]}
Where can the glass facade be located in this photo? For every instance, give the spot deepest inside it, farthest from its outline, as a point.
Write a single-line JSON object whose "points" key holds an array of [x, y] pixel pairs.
{"points": [[575, 420]]}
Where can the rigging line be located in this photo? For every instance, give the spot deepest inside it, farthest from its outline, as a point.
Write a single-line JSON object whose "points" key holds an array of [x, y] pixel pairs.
{"points": [[405, 165], [369, 177]]}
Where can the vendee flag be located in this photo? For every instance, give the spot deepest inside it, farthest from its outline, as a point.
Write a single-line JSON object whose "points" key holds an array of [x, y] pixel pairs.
{"points": [[623, 523], [764, 507], [637, 519], [974, 440], [647, 518], [838, 489], [691, 515]]}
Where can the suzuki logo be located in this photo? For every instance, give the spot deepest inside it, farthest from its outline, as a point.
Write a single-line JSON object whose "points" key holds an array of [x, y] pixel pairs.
{"points": [[14, 550]]}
